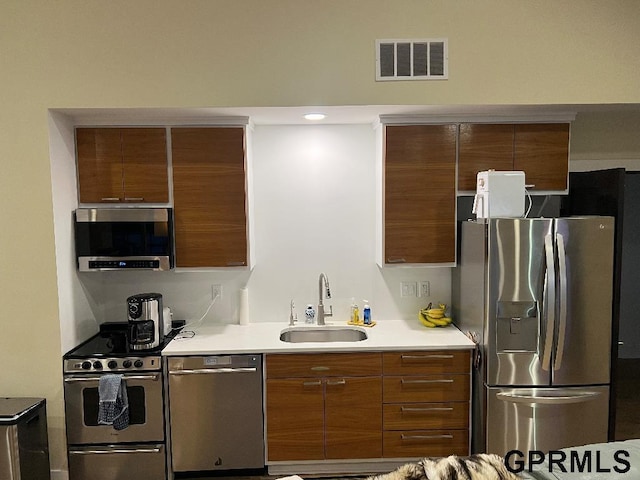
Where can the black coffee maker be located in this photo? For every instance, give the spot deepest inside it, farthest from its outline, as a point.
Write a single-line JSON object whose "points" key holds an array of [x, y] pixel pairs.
{"points": [[144, 312]]}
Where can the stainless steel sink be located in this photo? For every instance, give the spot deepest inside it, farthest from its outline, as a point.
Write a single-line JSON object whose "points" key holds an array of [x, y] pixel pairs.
{"points": [[323, 334]]}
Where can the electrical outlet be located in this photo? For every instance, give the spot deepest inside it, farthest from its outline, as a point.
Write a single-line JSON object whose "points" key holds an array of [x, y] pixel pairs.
{"points": [[425, 289], [216, 291], [408, 289]]}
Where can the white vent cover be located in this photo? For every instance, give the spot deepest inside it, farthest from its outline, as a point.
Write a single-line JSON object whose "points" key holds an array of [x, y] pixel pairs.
{"points": [[424, 59]]}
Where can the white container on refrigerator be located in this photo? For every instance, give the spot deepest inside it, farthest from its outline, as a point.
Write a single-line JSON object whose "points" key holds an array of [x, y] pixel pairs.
{"points": [[499, 194]]}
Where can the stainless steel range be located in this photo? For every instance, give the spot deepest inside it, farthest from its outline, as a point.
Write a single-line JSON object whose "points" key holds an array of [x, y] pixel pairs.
{"points": [[100, 452]]}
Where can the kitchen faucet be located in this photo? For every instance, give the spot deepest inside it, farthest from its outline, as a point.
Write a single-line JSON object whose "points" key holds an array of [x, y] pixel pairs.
{"points": [[321, 313]]}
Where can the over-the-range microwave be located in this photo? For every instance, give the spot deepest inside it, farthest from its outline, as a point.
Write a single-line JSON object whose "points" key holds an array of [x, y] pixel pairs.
{"points": [[123, 238]]}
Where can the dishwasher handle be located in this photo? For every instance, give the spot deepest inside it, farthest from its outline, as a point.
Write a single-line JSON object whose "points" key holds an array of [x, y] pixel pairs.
{"points": [[206, 371]]}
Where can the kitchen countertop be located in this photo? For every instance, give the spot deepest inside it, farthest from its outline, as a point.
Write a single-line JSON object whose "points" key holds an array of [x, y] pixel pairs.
{"points": [[258, 338]]}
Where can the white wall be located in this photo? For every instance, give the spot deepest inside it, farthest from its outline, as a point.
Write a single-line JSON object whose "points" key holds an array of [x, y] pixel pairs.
{"points": [[314, 198]]}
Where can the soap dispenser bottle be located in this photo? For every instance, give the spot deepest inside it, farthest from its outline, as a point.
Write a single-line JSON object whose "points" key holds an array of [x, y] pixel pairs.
{"points": [[355, 313], [366, 313]]}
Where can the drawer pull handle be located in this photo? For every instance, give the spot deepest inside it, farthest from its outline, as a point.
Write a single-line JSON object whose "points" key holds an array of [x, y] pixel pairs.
{"points": [[110, 199], [425, 437], [396, 260], [424, 357], [426, 409], [446, 380], [319, 369], [134, 199], [337, 382], [235, 264], [312, 384]]}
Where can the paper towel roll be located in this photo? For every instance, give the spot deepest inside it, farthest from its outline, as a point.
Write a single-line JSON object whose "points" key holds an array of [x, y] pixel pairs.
{"points": [[244, 307]]}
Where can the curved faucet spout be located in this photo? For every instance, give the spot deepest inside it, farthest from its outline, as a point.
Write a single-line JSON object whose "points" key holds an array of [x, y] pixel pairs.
{"points": [[321, 312]]}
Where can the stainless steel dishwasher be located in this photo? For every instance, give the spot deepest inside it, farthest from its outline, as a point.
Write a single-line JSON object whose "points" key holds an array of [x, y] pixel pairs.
{"points": [[215, 412]]}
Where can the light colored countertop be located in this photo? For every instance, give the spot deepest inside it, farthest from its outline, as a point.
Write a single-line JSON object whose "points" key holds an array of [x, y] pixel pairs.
{"points": [[259, 338]]}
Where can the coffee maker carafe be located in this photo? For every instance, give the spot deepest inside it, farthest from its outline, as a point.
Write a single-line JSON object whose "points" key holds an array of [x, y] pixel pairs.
{"points": [[144, 312]]}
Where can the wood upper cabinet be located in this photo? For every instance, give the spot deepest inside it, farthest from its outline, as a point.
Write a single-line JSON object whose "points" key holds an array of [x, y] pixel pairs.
{"points": [[419, 165], [209, 195], [541, 150], [324, 406], [122, 165]]}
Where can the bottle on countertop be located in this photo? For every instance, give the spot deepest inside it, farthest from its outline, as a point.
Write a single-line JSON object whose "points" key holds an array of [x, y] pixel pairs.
{"points": [[366, 313], [309, 314], [355, 313]]}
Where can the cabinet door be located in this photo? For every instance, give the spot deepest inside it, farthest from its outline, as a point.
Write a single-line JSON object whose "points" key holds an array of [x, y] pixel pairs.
{"points": [[419, 194], [145, 172], [483, 147], [542, 152], [99, 156], [353, 410], [295, 419], [209, 196]]}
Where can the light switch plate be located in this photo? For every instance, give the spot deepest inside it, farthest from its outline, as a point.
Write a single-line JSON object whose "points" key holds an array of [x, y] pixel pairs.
{"points": [[425, 289]]}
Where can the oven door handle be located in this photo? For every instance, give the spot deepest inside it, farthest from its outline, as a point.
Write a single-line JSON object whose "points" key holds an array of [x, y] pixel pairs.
{"points": [[107, 450], [153, 377]]}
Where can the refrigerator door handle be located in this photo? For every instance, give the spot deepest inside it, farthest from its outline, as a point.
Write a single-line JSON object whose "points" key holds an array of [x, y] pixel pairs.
{"points": [[562, 301], [548, 400], [549, 301]]}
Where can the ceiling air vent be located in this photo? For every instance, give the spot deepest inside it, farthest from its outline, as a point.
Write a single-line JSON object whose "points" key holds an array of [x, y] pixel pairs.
{"points": [[425, 59]]}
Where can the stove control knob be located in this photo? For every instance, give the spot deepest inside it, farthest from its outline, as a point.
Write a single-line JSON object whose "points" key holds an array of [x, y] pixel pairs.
{"points": [[86, 365], [112, 364], [97, 365], [126, 364], [138, 364]]}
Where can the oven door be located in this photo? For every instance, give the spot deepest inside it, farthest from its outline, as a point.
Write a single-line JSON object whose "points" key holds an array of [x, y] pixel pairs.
{"points": [[146, 420], [117, 462]]}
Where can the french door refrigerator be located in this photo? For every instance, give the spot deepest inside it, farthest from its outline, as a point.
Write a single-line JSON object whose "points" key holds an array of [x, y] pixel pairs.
{"points": [[536, 295]]}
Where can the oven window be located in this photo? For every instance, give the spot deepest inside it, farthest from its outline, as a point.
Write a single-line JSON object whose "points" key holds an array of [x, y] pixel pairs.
{"points": [[137, 410]]}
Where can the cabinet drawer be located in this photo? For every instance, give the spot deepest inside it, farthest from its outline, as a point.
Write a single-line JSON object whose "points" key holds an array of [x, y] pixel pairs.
{"points": [[422, 363], [324, 365], [416, 416], [425, 443], [426, 388]]}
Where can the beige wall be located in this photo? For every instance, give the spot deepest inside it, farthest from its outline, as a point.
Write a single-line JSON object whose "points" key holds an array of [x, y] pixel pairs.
{"points": [[198, 53]]}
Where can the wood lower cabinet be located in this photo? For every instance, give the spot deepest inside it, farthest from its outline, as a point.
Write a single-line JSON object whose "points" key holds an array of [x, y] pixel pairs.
{"points": [[332, 409], [209, 195], [122, 165], [426, 403], [367, 405], [418, 219], [541, 150]]}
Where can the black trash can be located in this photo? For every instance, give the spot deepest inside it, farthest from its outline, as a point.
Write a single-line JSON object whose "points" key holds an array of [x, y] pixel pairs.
{"points": [[24, 447]]}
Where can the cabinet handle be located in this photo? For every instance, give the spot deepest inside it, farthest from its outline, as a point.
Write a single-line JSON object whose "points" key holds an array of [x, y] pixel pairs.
{"points": [[319, 369], [312, 384], [235, 264], [134, 199], [444, 380], [425, 437], [424, 357], [426, 409], [396, 260], [337, 382], [110, 199]]}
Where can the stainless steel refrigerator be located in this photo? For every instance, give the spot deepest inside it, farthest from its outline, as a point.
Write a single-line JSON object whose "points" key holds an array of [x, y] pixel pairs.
{"points": [[536, 294]]}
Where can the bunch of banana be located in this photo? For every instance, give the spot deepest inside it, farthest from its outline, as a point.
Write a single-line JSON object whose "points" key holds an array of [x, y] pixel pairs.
{"points": [[434, 317]]}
